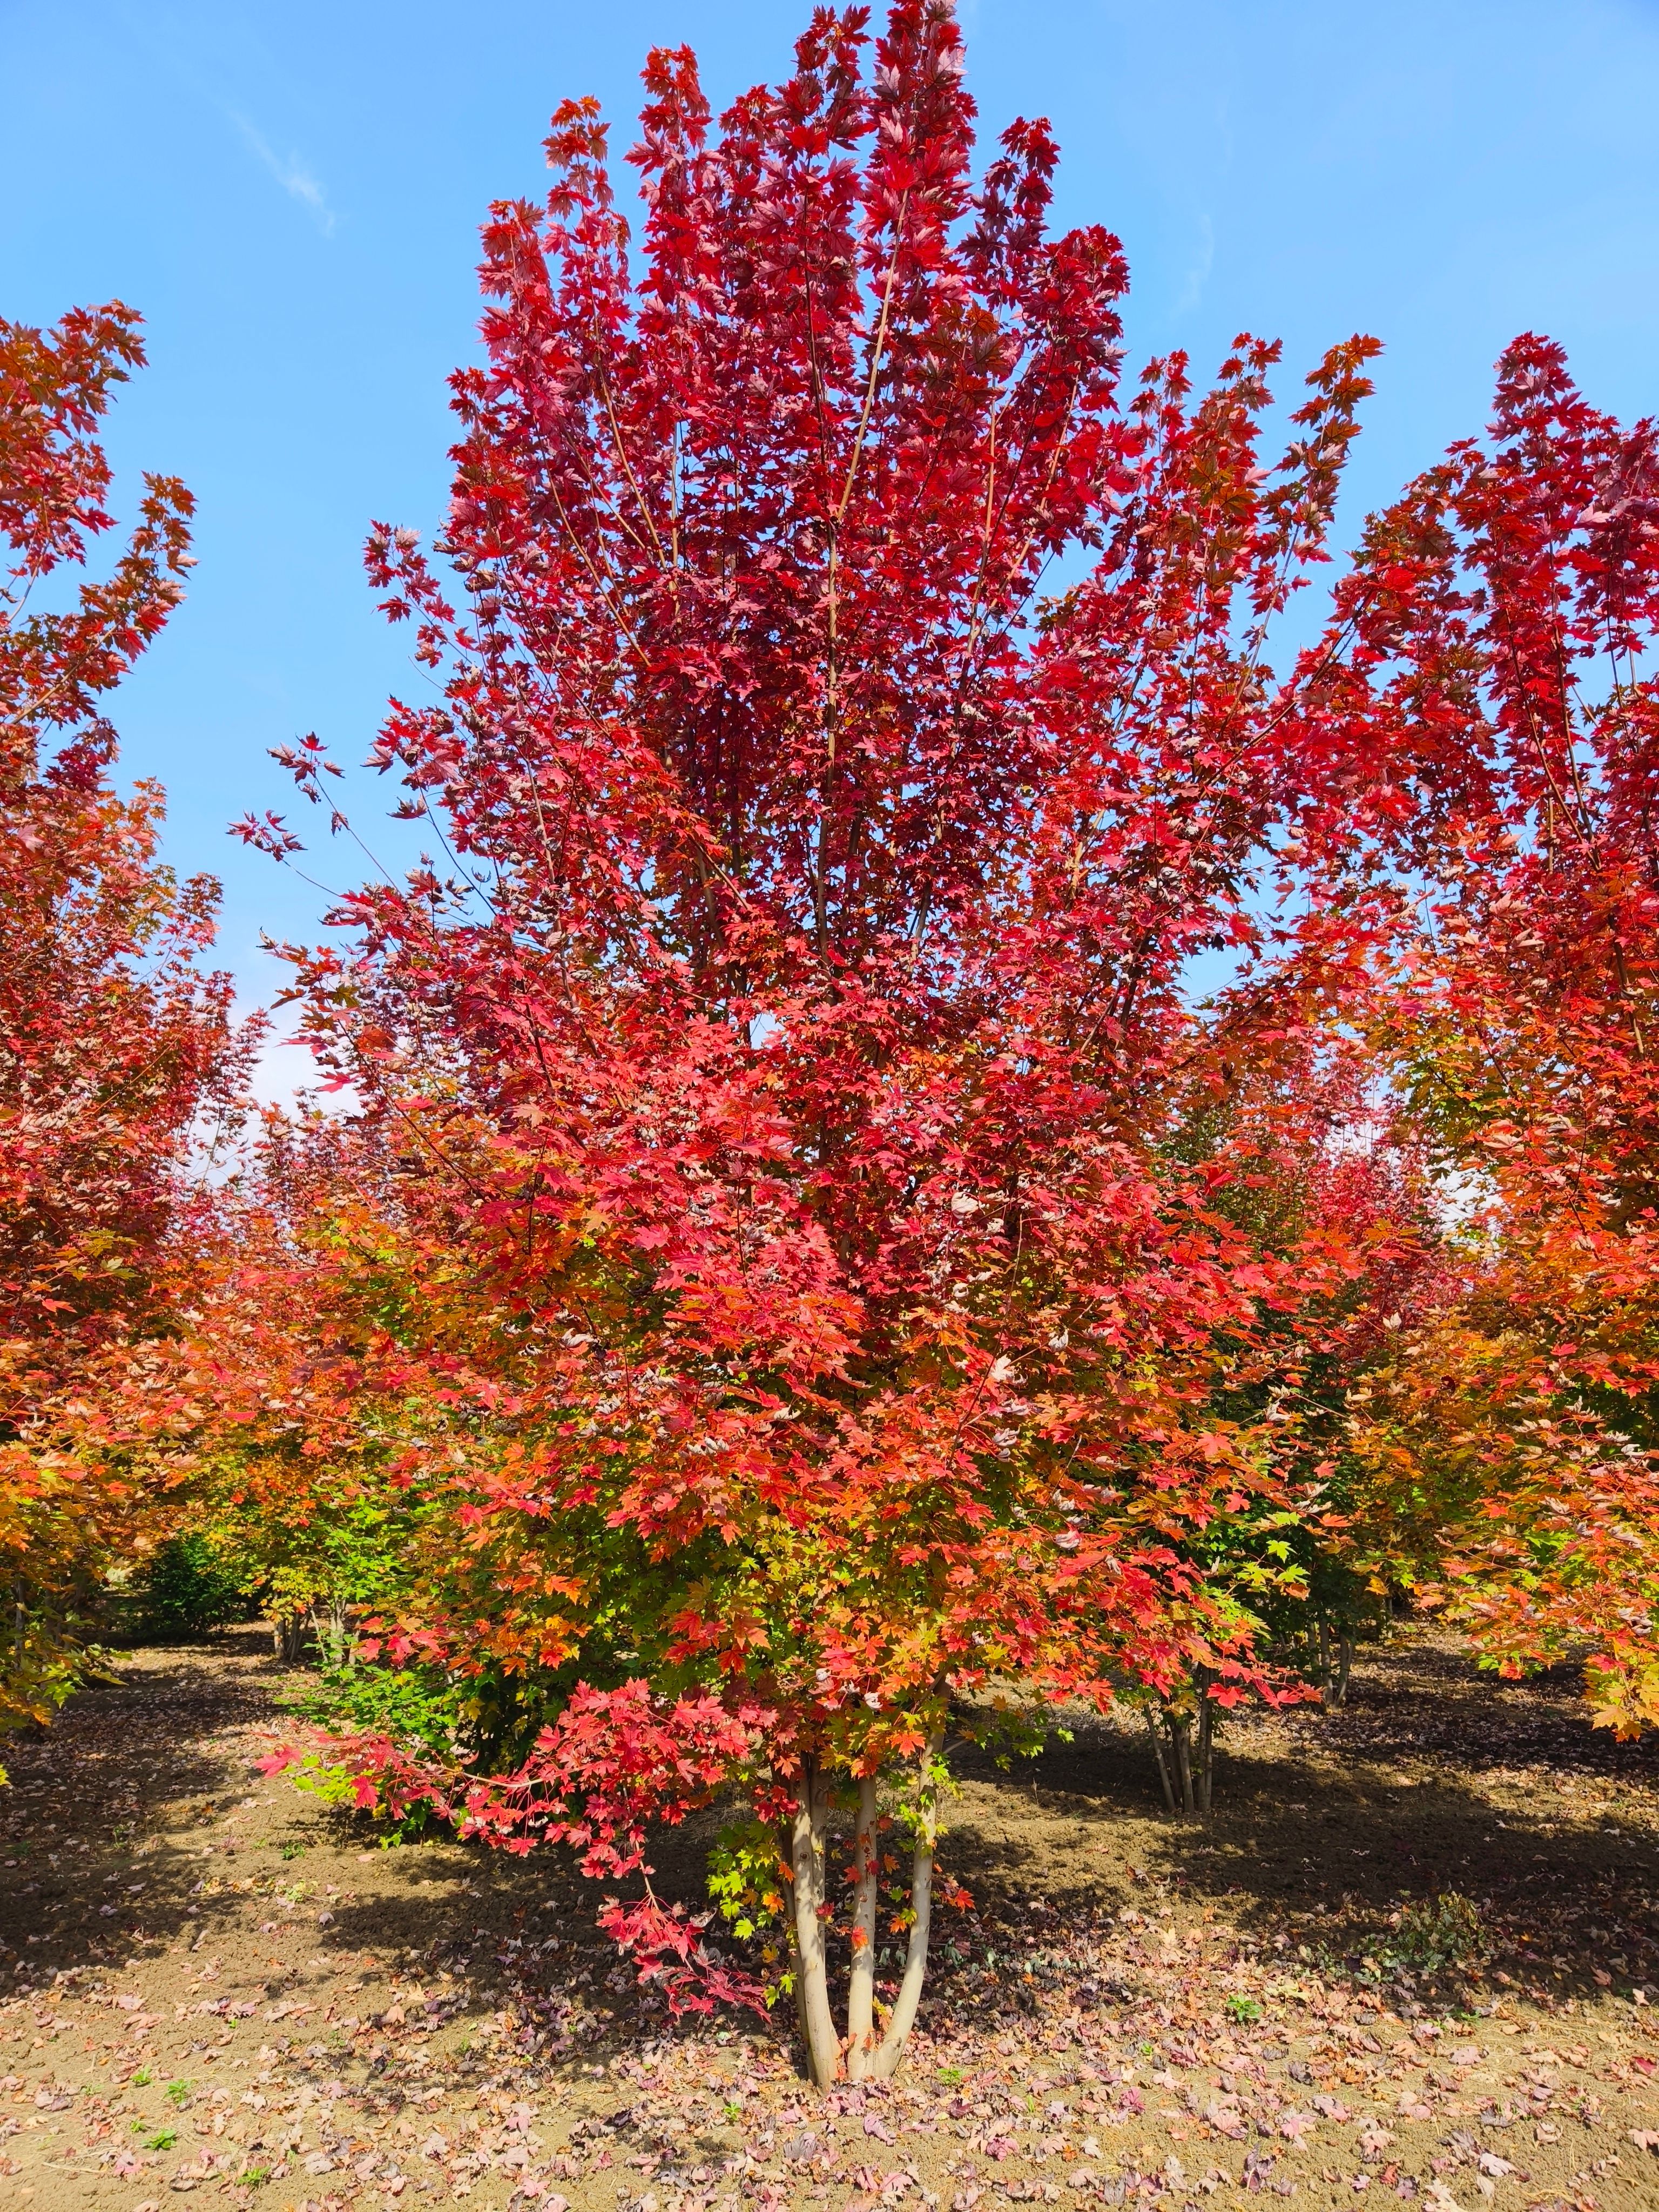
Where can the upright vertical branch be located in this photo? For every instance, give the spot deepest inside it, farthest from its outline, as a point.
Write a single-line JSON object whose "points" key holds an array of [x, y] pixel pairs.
{"points": [[811, 1901], [902, 2018], [860, 1997], [1181, 1734], [832, 589], [1157, 1735]]}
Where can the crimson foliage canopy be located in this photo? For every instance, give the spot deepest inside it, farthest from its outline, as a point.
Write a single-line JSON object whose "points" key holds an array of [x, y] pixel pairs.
{"points": [[815, 1302]]}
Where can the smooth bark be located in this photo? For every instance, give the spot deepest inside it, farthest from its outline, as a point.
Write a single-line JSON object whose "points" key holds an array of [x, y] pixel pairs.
{"points": [[812, 1969], [1156, 1733], [902, 2018], [862, 1991], [1183, 1763]]}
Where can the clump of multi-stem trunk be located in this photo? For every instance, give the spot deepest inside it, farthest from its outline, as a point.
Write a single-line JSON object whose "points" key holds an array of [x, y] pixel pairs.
{"points": [[1183, 1720], [871, 2049], [1182, 1725]]}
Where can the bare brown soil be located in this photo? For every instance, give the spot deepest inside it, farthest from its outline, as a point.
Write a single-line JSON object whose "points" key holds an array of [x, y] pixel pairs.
{"points": [[216, 1985]]}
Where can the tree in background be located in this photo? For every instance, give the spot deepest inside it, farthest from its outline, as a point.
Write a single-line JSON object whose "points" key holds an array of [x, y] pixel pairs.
{"points": [[796, 1310], [246, 1413], [1485, 723], [113, 1042], [1316, 1154]]}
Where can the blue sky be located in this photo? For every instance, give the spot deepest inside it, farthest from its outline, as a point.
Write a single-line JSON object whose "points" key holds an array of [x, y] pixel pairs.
{"points": [[290, 194]]}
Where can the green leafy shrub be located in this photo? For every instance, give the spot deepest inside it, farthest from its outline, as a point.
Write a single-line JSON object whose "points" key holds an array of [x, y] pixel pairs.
{"points": [[420, 1708], [416, 1706], [189, 1587], [1438, 1933]]}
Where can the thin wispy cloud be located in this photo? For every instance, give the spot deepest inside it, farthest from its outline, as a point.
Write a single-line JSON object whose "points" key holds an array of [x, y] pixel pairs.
{"points": [[1198, 274], [292, 174]]}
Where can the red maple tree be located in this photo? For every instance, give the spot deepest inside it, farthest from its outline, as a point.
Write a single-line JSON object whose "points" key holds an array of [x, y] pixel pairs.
{"points": [[803, 1302], [112, 1040], [1482, 742]]}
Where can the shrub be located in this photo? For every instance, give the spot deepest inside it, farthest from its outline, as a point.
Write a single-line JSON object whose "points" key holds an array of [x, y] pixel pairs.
{"points": [[1437, 1933], [189, 1588]]}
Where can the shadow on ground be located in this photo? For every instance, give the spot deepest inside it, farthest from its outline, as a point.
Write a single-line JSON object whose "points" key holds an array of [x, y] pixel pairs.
{"points": [[1328, 1826]]}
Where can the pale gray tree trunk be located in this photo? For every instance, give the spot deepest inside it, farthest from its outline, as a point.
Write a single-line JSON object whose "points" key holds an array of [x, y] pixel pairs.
{"points": [[868, 2056], [811, 1967], [903, 2016], [862, 1992]]}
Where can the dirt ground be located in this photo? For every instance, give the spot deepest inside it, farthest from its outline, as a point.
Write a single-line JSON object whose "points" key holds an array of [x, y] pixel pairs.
{"points": [[212, 1983]]}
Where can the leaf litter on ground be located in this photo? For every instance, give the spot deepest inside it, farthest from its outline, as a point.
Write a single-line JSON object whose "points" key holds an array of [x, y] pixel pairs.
{"points": [[1128, 2013]]}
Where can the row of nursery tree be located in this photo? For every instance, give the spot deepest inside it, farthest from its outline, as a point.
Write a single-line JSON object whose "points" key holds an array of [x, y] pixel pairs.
{"points": [[949, 1126]]}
